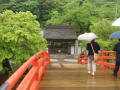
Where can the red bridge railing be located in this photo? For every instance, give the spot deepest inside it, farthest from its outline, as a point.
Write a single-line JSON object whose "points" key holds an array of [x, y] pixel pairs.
{"points": [[106, 56], [82, 59], [31, 81], [103, 57]]}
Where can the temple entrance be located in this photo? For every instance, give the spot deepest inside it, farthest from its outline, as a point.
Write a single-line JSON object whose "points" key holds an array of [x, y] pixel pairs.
{"points": [[60, 47], [61, 39]]}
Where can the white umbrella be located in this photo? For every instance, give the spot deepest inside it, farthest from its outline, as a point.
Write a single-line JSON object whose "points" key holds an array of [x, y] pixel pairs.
{"points": [[87, 36], [116, 22]]}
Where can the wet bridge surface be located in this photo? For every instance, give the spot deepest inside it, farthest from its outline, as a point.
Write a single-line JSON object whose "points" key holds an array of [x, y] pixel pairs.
{"points": [[74, 77]]}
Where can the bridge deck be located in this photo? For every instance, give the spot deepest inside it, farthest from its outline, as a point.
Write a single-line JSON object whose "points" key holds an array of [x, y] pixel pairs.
{"points": [[75, 77]]}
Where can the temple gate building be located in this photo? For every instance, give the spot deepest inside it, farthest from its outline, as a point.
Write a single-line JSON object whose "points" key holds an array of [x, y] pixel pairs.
{"points": [[61, 39]]}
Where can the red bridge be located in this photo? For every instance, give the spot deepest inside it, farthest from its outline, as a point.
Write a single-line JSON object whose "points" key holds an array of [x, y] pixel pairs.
{"points": [[61, 76]]}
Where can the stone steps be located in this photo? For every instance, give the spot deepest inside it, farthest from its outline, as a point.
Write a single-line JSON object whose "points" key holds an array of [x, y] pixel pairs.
{"points": [[64, 59], [57, 56]]}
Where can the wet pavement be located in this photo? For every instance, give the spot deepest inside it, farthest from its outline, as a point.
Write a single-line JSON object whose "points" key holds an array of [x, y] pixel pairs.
{"points": [[75, 77]]}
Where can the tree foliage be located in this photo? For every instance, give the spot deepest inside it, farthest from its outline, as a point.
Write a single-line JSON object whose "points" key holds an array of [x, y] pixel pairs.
{"points": [[20, 35], [103, 29], [40, 8], [83, 13], [78, 13]]}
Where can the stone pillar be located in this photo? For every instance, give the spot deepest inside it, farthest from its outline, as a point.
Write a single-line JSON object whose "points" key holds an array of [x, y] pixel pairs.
{"points": [[76, 47]]}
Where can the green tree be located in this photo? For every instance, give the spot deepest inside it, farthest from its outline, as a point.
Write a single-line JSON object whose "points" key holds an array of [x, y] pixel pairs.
{"points": [[40, 8], [103, 29], [20, 35], [78, 13]]}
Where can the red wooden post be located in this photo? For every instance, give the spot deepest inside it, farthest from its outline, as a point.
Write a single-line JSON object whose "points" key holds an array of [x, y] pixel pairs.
{"points": [[85, 58], [103, 59], [80, 59]]}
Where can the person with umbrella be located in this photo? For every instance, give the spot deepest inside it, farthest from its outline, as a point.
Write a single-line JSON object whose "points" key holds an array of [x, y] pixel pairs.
{"points": [[92, 47], [116, 35]]}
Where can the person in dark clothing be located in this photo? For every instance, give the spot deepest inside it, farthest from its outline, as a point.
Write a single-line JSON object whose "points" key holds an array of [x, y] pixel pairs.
{"points": [[96, 48], [117, 64], [6, 69], [6, 65]]}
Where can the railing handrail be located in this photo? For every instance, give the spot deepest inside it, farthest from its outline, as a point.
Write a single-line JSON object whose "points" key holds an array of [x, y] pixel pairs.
{"points": [[39, 61], [103, 58]]}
